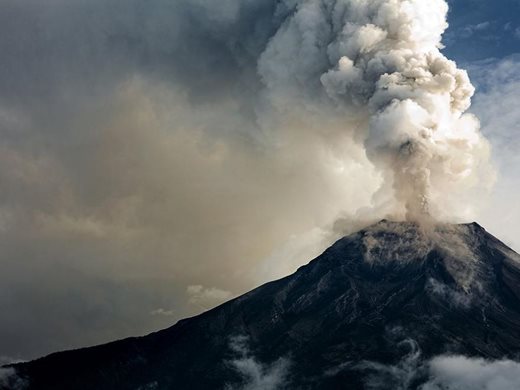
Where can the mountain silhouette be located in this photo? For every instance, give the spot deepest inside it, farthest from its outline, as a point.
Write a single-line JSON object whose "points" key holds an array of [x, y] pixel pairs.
{"points": [[366, 314]]}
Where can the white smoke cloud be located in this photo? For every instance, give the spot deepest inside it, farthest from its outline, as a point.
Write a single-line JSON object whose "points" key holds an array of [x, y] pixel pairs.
{"points": [[381, 60], [256, 375], [443, 372], [448, 294], [196, 142], [9, 380], [463, 373], [399, 376], [163, 312], [205, 298]]}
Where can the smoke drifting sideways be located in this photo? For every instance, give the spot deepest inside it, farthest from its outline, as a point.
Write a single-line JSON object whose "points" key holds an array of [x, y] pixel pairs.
{"points": [[369, 71], [219, 143]]}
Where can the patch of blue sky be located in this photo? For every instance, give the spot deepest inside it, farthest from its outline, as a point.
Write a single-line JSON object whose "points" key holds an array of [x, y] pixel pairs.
{"points": [[482, 29]]}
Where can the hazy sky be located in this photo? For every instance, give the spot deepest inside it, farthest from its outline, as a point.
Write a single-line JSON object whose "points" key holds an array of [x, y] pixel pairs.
{"points": [[144, 179]]}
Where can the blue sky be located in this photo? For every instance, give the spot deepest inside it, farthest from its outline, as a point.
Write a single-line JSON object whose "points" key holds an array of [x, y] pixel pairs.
{"points": [[481, 29], [484, 38]]}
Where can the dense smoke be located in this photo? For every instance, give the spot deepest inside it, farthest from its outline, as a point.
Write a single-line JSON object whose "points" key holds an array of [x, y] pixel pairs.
{"points": [[379, 62], [147, 147]]}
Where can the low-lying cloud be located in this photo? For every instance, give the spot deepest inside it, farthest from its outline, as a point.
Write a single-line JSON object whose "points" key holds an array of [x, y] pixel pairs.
{"points": [[256, 375], [463, 373], [443, 372], [9, 380], [205, 298]]}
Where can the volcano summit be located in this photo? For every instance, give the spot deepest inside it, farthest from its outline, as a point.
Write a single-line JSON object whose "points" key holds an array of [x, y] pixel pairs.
{"points": [[384, 308]]}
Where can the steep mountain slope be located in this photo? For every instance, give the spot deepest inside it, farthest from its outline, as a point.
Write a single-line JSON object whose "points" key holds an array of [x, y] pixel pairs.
{"points": [[373, 305]]}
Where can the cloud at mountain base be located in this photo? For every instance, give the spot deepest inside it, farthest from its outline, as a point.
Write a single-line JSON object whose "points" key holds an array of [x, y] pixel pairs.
{"points": [[463, 373]]}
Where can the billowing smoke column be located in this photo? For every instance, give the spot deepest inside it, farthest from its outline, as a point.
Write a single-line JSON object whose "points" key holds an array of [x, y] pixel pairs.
{"points": [[212, 143], [380, 60]]}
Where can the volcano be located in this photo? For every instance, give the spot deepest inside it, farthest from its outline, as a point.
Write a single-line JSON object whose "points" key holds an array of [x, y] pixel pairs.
{"points": [[368, 312]]}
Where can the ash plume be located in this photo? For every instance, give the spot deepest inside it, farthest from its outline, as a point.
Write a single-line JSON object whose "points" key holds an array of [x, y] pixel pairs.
{"points": [[217, 144], [380, 61]]}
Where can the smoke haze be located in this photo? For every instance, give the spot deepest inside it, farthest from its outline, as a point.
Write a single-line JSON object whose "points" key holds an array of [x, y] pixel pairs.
{"points": [[161, 157]]}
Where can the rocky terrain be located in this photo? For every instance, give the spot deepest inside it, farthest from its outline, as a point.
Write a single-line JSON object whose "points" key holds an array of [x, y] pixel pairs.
{"points": [[368, 313]]}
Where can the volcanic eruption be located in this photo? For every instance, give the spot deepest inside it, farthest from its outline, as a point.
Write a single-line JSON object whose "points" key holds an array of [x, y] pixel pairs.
{"points": [[394, 305], [385, 70], [384, 308]]}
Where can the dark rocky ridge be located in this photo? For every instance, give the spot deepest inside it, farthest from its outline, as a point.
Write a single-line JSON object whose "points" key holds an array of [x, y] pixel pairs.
{"points": [[379, 295]]}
